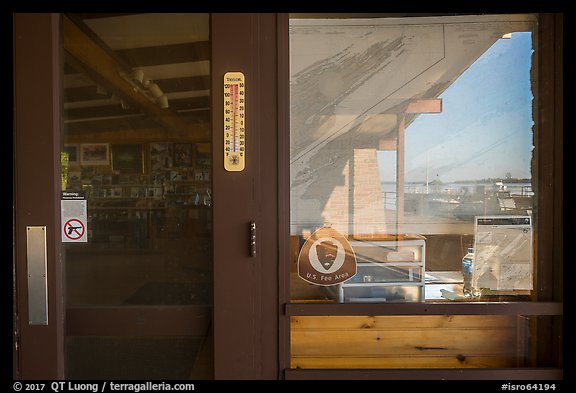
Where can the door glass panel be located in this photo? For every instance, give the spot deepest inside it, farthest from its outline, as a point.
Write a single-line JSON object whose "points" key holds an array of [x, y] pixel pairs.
{"points": [[413, 138], [138, 259]]}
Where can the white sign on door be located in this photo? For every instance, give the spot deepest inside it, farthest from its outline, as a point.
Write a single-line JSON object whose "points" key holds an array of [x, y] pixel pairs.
{"points": [[74, 217]]}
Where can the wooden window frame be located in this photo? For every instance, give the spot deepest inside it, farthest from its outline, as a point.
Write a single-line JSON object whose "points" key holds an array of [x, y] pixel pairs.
{"points": [[547, 299]]}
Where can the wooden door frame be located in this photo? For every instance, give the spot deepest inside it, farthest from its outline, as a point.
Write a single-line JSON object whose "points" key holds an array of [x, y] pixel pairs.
{"points": [[245, 287], [250, 49], [549, 180], [39, 350]]}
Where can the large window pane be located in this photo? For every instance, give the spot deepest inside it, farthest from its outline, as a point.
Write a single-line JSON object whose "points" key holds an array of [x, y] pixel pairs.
{"points": [[413, 139]]}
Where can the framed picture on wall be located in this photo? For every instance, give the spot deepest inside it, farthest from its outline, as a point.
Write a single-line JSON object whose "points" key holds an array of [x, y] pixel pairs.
{"points": [[127, 158], [73, 157], [94, 154], [160, 156], [183, 154]]}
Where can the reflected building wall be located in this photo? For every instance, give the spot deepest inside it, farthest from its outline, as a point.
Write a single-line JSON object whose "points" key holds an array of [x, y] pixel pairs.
{"points": [[352, 82]]}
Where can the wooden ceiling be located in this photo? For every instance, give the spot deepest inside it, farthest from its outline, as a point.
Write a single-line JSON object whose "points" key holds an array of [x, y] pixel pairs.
{"points": [[101, 99]]}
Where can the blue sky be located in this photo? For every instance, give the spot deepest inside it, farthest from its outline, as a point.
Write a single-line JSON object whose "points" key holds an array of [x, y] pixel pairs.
{"points": [[485, 128]]}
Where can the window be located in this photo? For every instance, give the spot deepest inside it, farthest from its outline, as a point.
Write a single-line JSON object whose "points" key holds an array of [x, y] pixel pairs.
{"points": [[413, 154]]}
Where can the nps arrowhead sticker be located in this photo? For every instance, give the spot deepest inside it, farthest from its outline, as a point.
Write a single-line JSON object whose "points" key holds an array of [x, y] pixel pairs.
{"points": [[326, 258]]}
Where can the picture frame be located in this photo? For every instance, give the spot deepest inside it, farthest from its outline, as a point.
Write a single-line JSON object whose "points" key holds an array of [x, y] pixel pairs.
{"points": [[73, 156], [94, 154], [183, 156], [127, 158], [161, 156]]}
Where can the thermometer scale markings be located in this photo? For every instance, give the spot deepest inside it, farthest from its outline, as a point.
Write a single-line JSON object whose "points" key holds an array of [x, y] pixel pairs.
{"points": [[234, 99], [234, 121]]}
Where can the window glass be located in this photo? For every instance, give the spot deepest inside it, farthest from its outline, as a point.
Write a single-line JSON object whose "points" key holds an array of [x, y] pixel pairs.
{"points": [[136, 205], [412, 157]]}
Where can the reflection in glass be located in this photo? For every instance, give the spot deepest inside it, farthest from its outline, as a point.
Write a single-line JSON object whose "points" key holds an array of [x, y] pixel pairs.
{"points": [[136, 120], [410, 129], [413, 138]]}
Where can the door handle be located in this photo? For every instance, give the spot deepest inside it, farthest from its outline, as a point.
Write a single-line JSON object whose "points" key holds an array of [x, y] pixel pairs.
{"points": [[37, 280], [253, 239]]}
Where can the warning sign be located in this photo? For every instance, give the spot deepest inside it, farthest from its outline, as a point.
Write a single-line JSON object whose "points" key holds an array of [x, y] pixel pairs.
{"points": [[326, 258], [74, 229], [74, 217]]}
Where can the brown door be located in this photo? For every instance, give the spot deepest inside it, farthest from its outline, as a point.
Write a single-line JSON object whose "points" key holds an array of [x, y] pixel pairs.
{"points": [[137, 255]]}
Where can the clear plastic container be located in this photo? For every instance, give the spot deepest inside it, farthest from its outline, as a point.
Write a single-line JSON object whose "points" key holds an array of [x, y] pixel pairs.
{"points": [[467, 269]]}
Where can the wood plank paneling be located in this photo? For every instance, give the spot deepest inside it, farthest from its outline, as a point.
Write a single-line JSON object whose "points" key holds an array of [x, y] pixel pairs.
{"points": [[404, 342], [436, 341], [404, 362], [402, 322]]}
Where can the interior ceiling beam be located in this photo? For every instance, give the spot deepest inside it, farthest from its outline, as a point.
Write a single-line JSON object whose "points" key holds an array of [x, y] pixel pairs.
{"points": [[142, 135], [101, 65]]}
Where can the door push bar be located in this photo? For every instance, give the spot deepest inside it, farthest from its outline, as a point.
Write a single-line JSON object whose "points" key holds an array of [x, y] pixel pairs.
{"points": [[37, 280]]}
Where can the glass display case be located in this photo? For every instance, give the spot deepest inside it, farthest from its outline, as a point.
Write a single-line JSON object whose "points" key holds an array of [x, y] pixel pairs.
{"points": [[387, 271]]}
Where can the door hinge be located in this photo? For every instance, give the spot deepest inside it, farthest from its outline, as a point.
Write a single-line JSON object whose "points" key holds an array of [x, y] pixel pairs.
{"points": [[16, 340], [16, 328]]}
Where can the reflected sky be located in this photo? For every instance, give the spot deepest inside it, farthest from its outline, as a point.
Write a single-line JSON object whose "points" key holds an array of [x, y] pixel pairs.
{"points": [[485, 128]]}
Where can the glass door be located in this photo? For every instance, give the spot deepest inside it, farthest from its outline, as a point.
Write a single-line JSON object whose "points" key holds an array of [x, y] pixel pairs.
{"points": [[137, 196], [154, 260]]}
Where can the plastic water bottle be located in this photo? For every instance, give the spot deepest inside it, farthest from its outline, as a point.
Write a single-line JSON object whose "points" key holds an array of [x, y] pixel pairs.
{"points": [[207, 198], [467, 268]]}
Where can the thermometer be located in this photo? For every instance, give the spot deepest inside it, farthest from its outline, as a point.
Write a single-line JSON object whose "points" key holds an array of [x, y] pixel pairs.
{"points": [[234, 122]]}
